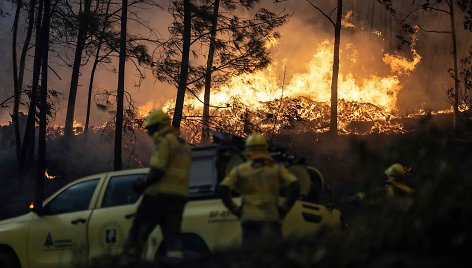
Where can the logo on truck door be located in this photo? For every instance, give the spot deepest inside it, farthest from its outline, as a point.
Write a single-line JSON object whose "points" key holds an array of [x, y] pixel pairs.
{"points": [[215, 216], [50, 243]]}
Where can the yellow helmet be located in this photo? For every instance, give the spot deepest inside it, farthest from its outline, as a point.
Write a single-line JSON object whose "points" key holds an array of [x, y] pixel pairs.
{"points": [[396, 170], [256, 142], [157, 117]]}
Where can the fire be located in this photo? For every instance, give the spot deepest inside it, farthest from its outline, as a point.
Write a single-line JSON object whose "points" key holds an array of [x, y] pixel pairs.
{"points": [[346, 20], [257, 102], [401, 66], [57, 130], [49, 177]]}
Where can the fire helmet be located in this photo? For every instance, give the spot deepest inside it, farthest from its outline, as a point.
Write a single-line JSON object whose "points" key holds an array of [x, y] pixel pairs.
{"points": [[157, 117], [396, 171], [256, 142]]}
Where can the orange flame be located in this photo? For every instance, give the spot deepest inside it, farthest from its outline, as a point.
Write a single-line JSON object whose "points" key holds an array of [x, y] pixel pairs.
{"points": [[346, 20], [257, 101], [49, 177]]}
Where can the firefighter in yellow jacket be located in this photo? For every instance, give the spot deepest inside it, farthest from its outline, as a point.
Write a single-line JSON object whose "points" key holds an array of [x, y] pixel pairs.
{"points": [[165, 188], [397, 184], [258, 180]]}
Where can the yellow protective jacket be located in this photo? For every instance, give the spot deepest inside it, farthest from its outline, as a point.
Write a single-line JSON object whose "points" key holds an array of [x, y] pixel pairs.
{"points": [[173, 156], [259, 188]]}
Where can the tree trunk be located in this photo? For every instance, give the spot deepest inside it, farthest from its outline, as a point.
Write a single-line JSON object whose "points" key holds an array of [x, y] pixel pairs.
{"points": [[209, 69], [179, 102], [121, 87], [94, 68], [333, 126], [456, 73], [29, 137], [16, 83], [81, 38], [41, 167]]}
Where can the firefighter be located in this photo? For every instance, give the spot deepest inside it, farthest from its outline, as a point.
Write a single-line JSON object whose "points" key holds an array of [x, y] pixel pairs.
{"points": [[258, 180], [165, 188], [396, 184]]}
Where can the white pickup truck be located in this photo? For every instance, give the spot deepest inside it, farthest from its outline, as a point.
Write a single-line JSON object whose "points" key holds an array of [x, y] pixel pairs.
{"points": [[91, 217]]}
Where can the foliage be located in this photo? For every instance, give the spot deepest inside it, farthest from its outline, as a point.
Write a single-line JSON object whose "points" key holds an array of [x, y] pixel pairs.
{"points": [[240, 44], [466, 6], [106, 101]]}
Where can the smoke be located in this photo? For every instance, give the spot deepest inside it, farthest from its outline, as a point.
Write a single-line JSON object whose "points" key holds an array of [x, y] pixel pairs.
{"points": [[374, 34]]}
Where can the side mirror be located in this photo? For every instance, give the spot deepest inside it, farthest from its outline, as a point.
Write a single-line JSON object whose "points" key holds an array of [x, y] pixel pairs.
{"points": [[35, 208]]}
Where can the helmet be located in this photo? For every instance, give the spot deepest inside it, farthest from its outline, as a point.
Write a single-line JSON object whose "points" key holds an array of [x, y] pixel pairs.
{"points": [[256, 142], [157, 117], [396, 170]]}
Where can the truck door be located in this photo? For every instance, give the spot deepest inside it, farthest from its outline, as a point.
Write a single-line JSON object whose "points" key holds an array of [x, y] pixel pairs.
{"points": [[111, 221], [58, 238], [205, 214]]}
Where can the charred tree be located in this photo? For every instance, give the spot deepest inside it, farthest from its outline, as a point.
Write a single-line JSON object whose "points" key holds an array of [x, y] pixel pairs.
{"points": [[121, 88], [450, 4], [95, 64], [27, 149], [208, 72], [179, 102], [16, 82], [81, 39], [333, 126], [18, 72], [43, 111]]}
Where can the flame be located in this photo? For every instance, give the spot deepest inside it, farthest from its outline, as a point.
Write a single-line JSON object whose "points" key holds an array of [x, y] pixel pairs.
{"points": [[346, 20], [145, 109], [398, 64], [49, 177], [257, 102], [271, 42]]}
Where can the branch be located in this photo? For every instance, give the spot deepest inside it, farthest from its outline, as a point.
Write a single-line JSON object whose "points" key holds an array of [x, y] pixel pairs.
{"points": [[321, 11], [432, 31], [54, 71], [439, 10]]}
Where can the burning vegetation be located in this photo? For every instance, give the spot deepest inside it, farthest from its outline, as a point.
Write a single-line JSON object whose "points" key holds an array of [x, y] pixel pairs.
{"points": [[260, 102]]}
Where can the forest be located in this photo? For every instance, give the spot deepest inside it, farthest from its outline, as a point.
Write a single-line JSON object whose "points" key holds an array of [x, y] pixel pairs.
{"points": [[352, 85]]}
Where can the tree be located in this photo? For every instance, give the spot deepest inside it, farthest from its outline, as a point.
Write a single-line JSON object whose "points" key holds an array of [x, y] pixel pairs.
{"points": [[333, 125], [121, 87], [98, 58], [239, 46], [81, 39], [43, 93], [208, 71], [16, 86], [29, 136], [18, 72], [182, 86]]}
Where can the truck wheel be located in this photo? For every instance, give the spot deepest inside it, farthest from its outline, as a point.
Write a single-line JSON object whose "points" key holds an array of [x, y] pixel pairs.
{"points": [[8, 261]]}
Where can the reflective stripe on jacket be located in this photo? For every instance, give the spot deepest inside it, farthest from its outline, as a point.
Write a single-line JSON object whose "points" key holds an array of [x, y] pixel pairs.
{"points": [[173, 156]]}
